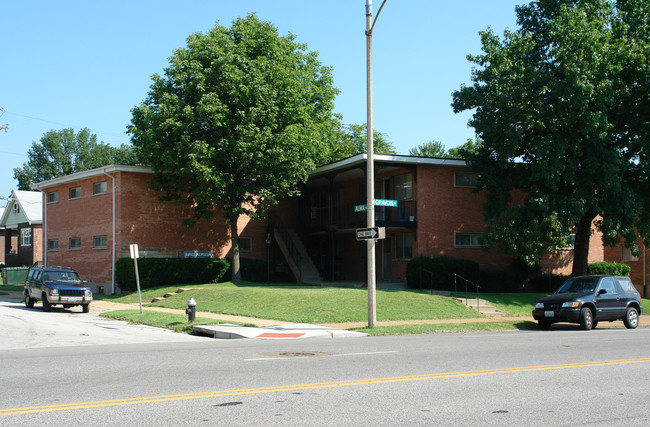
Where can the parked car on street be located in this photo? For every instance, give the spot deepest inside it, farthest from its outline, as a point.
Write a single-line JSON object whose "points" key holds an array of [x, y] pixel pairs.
{"points": [[56, 286], [587, 300]]}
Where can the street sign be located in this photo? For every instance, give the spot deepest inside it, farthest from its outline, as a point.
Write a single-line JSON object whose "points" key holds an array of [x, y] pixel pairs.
{"points": [[387, 203], [378, 202], [371, 233]]}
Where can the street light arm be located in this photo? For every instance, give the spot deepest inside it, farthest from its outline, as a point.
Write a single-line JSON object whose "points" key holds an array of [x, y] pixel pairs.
{"points": [[369, 32]]}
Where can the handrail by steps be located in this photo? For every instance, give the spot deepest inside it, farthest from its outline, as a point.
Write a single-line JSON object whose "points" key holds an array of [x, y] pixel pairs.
{"points": [[458, 276]]}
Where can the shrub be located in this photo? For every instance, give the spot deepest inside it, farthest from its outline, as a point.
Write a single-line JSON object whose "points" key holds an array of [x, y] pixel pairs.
{"points": [[440, 273], [500, 281], [545, 283], [252, 270], [169, 271], [613, 268]]}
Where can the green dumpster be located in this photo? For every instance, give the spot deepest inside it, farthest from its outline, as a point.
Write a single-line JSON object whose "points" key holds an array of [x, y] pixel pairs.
{"points": [[14, 275]]}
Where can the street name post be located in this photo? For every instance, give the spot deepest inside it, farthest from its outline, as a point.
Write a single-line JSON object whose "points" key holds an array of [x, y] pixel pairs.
{"points": [[135, 254]]}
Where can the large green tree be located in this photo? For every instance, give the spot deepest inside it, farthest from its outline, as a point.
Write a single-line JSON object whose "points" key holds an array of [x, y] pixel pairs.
{"points": [[561, 107], [349, 140], [235, 122], [62, 152]]}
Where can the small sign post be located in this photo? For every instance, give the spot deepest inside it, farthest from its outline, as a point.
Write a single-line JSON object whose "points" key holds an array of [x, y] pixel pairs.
{"points": [[135, 254]]}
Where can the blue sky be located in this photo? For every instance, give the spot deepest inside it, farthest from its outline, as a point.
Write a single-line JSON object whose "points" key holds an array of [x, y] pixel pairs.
{"points": [[86, 64]]}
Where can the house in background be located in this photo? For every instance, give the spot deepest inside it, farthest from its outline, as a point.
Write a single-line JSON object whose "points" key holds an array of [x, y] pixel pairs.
{"points": [[21, 225], [2, 239]]}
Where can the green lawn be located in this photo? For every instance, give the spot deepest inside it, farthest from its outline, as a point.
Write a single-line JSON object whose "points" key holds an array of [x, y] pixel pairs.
{"points": [[304, 304]]}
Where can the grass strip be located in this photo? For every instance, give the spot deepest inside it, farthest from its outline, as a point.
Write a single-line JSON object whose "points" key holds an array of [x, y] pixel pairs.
{"points": [[175, 322]]}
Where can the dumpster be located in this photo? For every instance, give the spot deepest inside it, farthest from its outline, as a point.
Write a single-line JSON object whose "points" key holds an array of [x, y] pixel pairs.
{"points": [[14, 275]]}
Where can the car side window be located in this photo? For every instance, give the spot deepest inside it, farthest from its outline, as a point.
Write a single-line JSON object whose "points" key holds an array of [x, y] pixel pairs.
{"points": [[626, 284], [608, 285]]}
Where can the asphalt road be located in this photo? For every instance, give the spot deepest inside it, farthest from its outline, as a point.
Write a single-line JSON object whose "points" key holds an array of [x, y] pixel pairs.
{"points": [[559, 377]]}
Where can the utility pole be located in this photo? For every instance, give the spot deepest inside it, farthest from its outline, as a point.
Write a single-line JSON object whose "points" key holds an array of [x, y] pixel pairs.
{"points": [[370, 171]]}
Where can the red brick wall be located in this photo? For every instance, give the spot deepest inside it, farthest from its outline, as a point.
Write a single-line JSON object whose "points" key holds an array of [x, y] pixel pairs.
{"points": [[638, 267], [140, 218], [443, 209]]}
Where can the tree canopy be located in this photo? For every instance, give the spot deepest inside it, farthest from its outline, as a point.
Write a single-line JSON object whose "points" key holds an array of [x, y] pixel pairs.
{"points": [[349, 140], [561, 107], [235, 122], [437, 149], [63, 152]]}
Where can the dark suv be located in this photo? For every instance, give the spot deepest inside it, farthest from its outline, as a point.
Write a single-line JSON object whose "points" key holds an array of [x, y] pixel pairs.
{"points": [[56, 285], [589, 299]]}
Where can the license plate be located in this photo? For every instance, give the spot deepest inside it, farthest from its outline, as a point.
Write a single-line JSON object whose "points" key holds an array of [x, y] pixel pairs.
{"points": [[72, 299], [549, 313]]}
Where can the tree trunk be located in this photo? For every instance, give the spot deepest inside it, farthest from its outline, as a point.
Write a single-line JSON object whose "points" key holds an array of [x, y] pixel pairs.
{"points": [[581, 245], [234, 238]]}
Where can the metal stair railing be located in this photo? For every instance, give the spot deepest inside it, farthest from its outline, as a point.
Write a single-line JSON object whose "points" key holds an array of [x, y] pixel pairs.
{"points": [[292, 249], [456, 277]]}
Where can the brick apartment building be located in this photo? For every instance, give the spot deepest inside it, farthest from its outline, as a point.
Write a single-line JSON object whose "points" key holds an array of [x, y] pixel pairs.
{"points": [[90, 218]]}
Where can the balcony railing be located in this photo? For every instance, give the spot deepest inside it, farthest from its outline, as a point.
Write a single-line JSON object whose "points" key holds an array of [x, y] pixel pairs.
{"points": [[345, 217]]}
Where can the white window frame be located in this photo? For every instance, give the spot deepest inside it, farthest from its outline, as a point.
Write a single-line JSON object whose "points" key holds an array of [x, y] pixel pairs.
{"points": [[16, 208], [245, 244], [53, 245], [102, 189], [53, 197], [76, 190], [25, 237], [459, 182], [74, 239], [473, 239], [100, 242], [403, 186], [403, 246]]}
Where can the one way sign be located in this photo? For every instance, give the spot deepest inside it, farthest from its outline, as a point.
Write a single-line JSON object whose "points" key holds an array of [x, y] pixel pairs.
{"points": [[371, 233]]}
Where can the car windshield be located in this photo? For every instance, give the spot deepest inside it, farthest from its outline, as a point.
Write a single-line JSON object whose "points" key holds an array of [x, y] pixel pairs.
{"points": [[579, 284], [61, 276]]}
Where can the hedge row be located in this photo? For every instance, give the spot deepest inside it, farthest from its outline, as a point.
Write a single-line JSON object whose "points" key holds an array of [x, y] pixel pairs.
{"points": [[169, 271], [613, 268], [449, 274]]}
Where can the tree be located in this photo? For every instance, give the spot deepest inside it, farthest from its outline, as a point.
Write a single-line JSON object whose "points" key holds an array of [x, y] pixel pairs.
{"points": [[63, 152], [235, 122], [560, 106], [429, 149], [349, 140], [464, 151]]}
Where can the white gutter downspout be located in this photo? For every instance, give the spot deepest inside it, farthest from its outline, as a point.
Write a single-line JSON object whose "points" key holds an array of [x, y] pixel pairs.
{"points": [[46, 244], [113, 264]]}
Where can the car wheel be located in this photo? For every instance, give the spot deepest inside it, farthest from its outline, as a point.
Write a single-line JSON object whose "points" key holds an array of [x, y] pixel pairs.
{"points": [[29, 302], [46, 304], [586, 319], [631, 318], [544, 325], [86, 308]]}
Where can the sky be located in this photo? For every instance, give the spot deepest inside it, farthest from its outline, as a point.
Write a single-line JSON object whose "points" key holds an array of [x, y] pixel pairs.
{"points": [[86, 64]]}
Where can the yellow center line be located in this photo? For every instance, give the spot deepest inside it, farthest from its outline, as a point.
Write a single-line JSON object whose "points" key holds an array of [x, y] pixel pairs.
{"points": [[306, 386]]}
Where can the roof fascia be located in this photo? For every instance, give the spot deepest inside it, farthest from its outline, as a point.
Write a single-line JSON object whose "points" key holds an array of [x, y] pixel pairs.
{"points": [[91, 173]]}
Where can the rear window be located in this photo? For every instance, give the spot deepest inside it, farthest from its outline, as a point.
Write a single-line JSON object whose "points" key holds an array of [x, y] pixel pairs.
{"points": [[626, 284]]}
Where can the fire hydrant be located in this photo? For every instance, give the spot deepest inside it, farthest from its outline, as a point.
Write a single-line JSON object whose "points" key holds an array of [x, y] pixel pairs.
{"points": [[191, 310]]}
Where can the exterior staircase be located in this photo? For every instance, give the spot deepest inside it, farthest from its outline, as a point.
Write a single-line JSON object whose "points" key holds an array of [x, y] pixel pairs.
{"points": [[295, 253], [481, 306]]}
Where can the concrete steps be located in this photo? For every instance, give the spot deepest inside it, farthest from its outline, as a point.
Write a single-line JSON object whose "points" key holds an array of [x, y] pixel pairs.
{"points": [[481, 306]]}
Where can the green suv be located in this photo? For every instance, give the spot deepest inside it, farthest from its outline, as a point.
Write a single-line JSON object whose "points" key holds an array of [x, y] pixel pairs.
{"points": [[56, 286]]}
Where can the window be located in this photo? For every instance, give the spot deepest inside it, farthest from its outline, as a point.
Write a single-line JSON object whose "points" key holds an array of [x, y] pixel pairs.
{"points": [[404, 187], [16, 208], [26, 237], [571, 242], [53, 245], [403, 246], [99, 187], [467, 240], [75, 192], [99, 242], [245, 244], [53, 197], [608, 285], [465, 179], [626, 255], [75, 243]]}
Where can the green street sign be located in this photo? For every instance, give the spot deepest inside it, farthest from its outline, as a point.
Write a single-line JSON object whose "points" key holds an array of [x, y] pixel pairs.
{"points": [[378, 202]]}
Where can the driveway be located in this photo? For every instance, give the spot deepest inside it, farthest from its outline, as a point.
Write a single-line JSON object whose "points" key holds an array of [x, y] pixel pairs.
{"points": [[22, 328]]}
